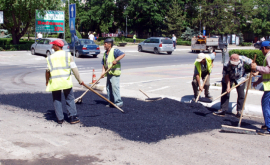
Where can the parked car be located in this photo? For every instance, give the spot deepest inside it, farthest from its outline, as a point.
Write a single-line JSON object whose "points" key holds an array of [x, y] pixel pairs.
{"points": [[43, 46], [157, 45], [85, 47], [258, 43]]}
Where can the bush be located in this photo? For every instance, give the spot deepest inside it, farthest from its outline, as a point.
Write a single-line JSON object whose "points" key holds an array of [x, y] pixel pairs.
{"points": [[1, 49], [246, 44], [120, 39], [187, 43], [250, 54]]}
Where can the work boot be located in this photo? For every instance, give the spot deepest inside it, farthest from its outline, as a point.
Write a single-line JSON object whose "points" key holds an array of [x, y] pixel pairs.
{"points": [[263, 132], [219, 113], [60, 121], [74, 120], [238, 115], [206, 92], [264, 127]]}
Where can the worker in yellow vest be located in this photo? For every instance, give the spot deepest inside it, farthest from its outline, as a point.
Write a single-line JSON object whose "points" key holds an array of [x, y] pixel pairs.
{"points": [[58, 78], [112, 57], [134, 38], [203, 66], [265, 79]]}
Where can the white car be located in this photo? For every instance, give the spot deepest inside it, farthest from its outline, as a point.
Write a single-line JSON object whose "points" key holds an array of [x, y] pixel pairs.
{"points": [[44, 47]]}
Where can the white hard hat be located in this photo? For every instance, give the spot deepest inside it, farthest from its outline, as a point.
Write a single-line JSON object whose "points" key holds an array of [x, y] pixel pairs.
{"points": [[200, 57]]}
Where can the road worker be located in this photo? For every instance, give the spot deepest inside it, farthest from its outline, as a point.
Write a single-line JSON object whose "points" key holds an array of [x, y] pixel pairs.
{"points": [[111, 57], [58, 79], [203, 66]]}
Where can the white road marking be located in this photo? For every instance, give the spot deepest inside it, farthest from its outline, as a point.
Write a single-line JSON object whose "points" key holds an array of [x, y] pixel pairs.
{"points": [[159, 89], [52, 140], [13, 149], [138, 82]]}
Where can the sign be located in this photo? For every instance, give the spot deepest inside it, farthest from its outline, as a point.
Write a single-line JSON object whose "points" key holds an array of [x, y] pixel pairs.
{"points": [[233, 38], [72, 17], [1, 17], [51, 22]]}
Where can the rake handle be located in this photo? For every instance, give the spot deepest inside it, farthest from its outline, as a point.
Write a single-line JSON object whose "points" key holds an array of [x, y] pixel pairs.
{"points": [[144, 93], [200, 90], [103, 97], [93, 85], [231, 89]]}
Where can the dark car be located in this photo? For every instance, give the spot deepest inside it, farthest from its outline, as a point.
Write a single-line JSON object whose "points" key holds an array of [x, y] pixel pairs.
{"points": [[258, 43], [85, 47]]}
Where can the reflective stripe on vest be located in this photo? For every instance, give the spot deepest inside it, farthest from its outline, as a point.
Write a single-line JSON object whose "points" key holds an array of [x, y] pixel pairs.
{"points": [[60, 72], [116, 69], [266, 77], [208, 63]]}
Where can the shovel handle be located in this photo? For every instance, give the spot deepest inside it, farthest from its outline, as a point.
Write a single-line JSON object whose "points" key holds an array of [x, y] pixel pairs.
{"points": [[200, 90], [77, 99]]}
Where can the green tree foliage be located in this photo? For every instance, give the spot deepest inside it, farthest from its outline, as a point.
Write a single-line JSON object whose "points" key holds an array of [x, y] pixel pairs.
{"points": [[18, 14], [261, 18], [175, 20], [189, 33]]}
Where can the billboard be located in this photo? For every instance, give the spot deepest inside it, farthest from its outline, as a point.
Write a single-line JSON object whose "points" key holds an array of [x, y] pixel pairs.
{"points": [[51, 22], [1, 17]]}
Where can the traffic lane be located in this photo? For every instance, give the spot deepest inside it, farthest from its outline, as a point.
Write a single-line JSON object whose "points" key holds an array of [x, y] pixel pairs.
{"points": [[147, 59]]}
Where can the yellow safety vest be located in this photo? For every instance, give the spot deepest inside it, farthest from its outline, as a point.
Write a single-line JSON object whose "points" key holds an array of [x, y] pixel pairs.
{"points": [[134, 36], [116, 69], [208, 63], [60, 72], [266, 77]]}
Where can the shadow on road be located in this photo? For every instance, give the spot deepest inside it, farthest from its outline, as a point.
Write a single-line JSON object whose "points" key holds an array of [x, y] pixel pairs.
{"points": [[142, 121]]}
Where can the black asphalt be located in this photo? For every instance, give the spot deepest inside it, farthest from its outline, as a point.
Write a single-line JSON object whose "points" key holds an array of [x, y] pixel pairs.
{"points": [[142, 121]]}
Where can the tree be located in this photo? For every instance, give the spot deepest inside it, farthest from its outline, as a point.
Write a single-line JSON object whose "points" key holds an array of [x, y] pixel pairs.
{"points": [[261, 18], [175, 20], [18, 14]]}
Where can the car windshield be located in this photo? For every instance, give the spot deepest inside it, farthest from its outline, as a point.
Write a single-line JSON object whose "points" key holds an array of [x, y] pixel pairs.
{"points": [[86, 42], [65, 42], [166, 41]]}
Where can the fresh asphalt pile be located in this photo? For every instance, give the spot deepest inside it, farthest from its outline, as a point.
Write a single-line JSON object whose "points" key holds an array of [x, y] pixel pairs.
{"points": [[142, 121]]}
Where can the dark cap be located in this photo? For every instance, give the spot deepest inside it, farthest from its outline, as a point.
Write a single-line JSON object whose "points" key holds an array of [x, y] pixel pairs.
{"points": [[265, 43], [109, 40]]}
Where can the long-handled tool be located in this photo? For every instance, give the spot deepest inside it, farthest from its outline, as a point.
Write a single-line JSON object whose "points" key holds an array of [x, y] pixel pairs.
{"points": [[79, 99], [238, 129], [103, 97], [210, 101], [149, 98], [203, 86]]}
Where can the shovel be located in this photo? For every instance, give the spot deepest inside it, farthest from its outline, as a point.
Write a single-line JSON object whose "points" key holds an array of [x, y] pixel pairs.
{"points": [[79, 99], [200, 90]]}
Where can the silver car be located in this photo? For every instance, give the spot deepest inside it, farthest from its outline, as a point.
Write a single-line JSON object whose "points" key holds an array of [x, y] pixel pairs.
{"points": [[157, 45], [43, 46]]}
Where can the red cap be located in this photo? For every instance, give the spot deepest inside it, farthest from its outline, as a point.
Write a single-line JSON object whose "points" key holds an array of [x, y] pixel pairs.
{"points": [[59, 43]]}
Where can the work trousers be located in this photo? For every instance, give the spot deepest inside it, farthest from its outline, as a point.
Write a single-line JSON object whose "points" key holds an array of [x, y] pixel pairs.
{"points": [[113, 89], [70, 103], [266, 109], [195, 84], [226, 98]]}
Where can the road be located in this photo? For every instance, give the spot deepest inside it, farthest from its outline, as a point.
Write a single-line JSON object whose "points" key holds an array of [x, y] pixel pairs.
{"points": [[28, 135]]}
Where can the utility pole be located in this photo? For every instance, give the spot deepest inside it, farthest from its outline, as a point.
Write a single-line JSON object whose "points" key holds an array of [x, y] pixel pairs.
{"points": [[126, 26]]}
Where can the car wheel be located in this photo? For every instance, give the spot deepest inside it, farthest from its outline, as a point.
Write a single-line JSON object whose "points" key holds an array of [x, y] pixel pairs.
{"points": [[210, 50], [140, 48], [156, 51], [48, 53], [224, 49], [77, 54], [95, 56], [169, 52], [33, 51]]}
